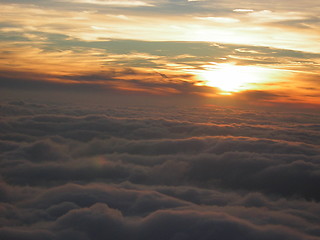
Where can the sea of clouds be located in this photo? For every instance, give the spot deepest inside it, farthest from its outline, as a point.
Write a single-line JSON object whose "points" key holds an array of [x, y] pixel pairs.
{"points": [[161, 173]]}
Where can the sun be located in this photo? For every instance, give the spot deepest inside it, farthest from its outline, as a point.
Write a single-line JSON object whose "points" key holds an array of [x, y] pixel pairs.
{"points": [[229, 77]]}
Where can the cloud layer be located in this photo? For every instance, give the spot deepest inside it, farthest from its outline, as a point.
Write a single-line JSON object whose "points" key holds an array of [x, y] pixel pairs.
{"points": [[74, 172], [114, 46]]}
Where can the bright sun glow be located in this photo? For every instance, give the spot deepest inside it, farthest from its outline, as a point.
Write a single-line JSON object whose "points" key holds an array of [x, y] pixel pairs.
{"points": [[232, 78]]}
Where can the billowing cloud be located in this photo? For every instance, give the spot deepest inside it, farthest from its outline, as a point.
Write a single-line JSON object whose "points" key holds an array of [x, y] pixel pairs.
{"points": [[166, 173]]}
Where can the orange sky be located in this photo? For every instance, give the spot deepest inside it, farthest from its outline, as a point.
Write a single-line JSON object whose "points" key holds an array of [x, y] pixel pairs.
{"points": [[255, 51]]}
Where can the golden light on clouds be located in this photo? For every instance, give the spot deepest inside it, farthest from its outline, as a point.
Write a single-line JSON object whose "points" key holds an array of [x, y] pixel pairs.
{"points": [[114, 3], [239, 26], [183, 47]]}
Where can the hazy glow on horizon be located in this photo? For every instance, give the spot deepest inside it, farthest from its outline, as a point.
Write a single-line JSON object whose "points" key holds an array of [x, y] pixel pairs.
{"points": [[231, 78]]}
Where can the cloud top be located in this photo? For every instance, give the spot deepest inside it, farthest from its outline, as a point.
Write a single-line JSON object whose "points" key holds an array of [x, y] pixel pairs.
{"points": [[73, 172]]}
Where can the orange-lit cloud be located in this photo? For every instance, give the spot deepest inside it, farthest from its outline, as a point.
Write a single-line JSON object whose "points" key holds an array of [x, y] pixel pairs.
{"points": [[271, 49]]}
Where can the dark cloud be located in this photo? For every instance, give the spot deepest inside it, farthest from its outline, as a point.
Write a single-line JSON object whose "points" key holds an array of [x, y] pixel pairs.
{"points": [[124, 81], [15, 234], [258, 95], [157, 172]]}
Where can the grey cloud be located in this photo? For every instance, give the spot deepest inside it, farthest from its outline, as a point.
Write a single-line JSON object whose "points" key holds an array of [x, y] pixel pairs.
{"points": [[129, 201], [100, 221], [57, 210], [14, 234], [104, 83], [257, 95], [258, 173], [73, 172], [195, 52]]}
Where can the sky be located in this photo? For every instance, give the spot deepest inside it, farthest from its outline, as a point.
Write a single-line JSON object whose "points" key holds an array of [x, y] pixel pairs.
{"points": [[254, 52], [163, 120]]}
